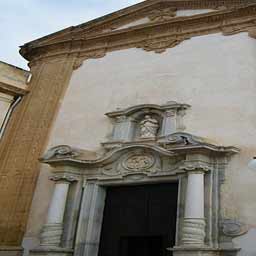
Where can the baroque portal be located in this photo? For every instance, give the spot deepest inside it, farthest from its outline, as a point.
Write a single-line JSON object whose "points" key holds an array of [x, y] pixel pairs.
{"points": [[148, 147]]}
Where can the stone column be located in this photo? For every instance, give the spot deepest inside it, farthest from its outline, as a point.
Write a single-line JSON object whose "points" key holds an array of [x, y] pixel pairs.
{"points": [[194, 219], [53, 229]]}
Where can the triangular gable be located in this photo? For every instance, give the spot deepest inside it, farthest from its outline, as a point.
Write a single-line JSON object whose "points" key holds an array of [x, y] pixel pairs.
{"points": [[143, 13]]}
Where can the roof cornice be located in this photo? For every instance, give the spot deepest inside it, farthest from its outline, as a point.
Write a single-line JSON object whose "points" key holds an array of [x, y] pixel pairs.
{"points": [[156, 36]]}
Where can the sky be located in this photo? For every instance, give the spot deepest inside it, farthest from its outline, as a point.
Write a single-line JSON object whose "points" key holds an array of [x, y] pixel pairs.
{"points": [[22, 21]]}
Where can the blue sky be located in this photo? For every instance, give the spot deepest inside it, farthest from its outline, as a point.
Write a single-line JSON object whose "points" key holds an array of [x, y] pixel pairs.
{"points": [[24, 20]]}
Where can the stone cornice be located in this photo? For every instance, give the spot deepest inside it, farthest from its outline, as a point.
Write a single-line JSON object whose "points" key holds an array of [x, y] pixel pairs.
{"points": [[156, 36], [138, 10], [12, 90], [144, 107]]}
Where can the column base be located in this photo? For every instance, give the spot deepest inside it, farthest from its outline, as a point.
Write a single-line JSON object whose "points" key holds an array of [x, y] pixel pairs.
{"points": [[41, 251], [11, 251], [192, 251], [51, 235], [193, 232]]}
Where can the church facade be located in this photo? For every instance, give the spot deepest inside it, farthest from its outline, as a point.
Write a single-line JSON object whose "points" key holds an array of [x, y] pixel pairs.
{"points": [[136, 135]]}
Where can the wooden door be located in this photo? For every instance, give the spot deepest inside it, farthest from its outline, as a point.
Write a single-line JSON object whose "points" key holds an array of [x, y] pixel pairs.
{"points": [[139, 220]]}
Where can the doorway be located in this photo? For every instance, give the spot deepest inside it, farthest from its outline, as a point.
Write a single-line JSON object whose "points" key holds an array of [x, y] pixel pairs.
{"points": [[139, 220]]}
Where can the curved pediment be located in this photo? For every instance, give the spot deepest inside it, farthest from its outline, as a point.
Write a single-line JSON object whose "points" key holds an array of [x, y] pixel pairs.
{"points": [[64, 154], [172, 146]]}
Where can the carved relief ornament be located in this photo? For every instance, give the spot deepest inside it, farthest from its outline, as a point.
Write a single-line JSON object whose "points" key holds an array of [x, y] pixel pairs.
{"points": [[162, 14], [233, 228], [63, 178], [160, 46], [62, 151], [138, 162]]}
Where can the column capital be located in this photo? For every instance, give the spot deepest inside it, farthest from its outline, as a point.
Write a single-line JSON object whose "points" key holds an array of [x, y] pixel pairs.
{"points": [[62, 178], [195, 167], [171, 113]]}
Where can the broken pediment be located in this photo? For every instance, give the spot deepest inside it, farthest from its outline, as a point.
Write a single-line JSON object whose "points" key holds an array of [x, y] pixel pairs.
{"points": [[137, 155]]}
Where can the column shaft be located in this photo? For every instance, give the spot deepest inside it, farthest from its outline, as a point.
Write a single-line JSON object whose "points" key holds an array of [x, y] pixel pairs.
{"points": [[194, 222], [53, 229], [194, 207], [58, 203]]}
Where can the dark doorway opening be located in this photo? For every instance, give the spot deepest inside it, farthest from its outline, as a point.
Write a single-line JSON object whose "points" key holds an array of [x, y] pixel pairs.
{"points": [[139, 220], [144, 245]]}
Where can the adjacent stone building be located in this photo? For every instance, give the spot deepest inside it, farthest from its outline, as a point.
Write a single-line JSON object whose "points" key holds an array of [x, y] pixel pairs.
{"points": [[13, 89], [13, 85], [143, 122]]}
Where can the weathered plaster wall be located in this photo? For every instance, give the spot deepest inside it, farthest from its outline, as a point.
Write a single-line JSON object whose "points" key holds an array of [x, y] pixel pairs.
{"points": [[214, 74]]}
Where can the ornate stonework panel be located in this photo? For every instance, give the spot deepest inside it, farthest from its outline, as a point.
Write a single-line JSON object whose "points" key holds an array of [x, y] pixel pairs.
{"points": [[162, 14], [138, 162], [160, 46], [62, 151]]}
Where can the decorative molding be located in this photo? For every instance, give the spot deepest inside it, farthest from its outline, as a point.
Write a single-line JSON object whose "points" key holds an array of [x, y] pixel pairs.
{"points": [[173, 145], [162, 14], [138, 162], [110, 156], [62, 151], [63, 178], [193, 232], [154, 36], [232, 29], [146, 108], [196, 166], [160, 46], [233, 228], [51, 235], [182, 141], [91, 55]]}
